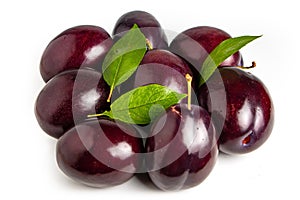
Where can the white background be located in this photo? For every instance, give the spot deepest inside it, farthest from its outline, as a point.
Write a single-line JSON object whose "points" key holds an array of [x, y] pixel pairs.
{"points": [[28, 168]]}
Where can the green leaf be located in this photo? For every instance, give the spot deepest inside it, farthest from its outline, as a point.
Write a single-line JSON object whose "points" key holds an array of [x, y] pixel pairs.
{"points": [[142, 104], [221, 52], [124, 57]]}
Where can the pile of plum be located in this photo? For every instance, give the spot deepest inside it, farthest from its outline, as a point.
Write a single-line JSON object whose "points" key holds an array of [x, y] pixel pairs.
{"points": [[231, 111]]}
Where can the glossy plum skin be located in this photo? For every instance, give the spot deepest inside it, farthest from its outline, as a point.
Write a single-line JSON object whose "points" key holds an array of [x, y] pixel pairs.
{"points": [[164, 68], [100, 153], [68, 98], [160, 67], [196, 43], [148, 25], [248, 113], [80, 46], [182, 148]]}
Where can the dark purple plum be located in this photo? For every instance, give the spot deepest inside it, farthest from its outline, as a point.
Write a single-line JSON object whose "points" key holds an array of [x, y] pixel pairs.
{"points": [[182, 148], [160, 67], [148, 25], [196, 43], [248, 111], [164, 68], [68, 98], [80, 46], [100, 153]]}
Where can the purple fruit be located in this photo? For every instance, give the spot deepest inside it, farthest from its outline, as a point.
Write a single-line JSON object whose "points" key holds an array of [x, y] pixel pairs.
{"points": [[100, 153], [148, 25], [80, 46], [182, 148], [68, 98], [164, 68], [160, 67], [248, 111], [196, 43]]}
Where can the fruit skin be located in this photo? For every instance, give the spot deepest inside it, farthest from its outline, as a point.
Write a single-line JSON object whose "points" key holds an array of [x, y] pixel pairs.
{"points": [[68, 98], [160, 67], [100, 153], [147, 24], [196, 43], [164, 68], [247, 111], [79, 46], [182, 148]]}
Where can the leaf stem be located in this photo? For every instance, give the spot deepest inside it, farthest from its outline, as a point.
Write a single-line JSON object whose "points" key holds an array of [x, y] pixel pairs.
{"points": [[189, 83]]}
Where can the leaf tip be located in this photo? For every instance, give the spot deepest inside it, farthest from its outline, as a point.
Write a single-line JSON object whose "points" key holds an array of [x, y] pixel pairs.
{"points": [[257, 36], [135, 26]]}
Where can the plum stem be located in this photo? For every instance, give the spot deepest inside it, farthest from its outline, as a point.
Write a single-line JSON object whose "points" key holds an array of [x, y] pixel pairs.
{"points": [[189, 84], [149, 45], [253, 64]]}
